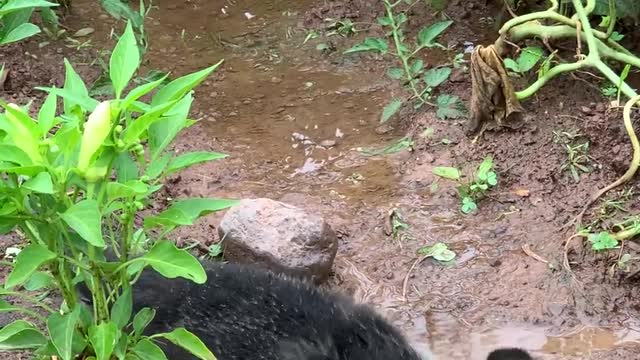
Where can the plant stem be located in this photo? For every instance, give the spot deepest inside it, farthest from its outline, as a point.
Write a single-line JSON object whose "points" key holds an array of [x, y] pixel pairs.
{"points": [[399, 52], [553, 72], [30, 299]]}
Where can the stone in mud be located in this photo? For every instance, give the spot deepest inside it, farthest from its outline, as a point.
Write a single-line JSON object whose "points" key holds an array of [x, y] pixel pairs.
{"points": [[247, 313], [280, 237]]}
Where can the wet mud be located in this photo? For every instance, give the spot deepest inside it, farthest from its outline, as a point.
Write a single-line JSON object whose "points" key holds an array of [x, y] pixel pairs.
{"points": [[301, 126]]}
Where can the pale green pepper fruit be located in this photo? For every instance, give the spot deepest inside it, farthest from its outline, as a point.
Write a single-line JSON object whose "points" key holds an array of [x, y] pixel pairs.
{"points": [[96, 130]]}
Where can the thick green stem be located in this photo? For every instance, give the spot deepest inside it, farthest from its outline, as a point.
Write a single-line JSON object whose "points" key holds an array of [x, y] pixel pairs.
{"points": [[582, 13], [553, 72], [613, 18], [399, 48], [518, 30]]}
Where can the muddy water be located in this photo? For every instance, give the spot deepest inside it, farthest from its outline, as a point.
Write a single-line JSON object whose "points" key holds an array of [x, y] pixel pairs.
{"points": [[294, 124]]}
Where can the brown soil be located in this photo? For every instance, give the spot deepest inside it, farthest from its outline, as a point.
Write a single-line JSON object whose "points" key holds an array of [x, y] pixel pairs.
{"points": [[272, 86]]}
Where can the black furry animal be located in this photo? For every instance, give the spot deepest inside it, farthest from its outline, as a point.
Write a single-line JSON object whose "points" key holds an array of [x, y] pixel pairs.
{"points": [[246, 313], [509, 354]]}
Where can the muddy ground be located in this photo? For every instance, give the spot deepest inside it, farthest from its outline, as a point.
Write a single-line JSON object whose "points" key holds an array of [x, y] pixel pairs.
{"points": [[273, 86]]}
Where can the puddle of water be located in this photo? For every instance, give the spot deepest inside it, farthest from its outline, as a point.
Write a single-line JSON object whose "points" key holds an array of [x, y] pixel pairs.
{"points": [[580, 343]]}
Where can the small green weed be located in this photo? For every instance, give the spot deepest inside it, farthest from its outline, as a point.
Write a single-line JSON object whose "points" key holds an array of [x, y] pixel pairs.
{"points": [[527, 59], [602, 241], [439, 251], [343, 27], [470, 192], [421, 82], [403, 144], [577, 153], [398, 225]]}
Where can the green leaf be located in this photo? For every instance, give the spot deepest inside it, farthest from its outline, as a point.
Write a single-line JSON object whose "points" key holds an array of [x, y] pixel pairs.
{"points": [[121, 10], [163, 131], [185, 160], [384, 21], [428, 35], [140, 91], [468, 205], [23, 131], [124, 61], [147, 350], [13, 154], [437, 76], [416, 67], [449, 106], [511, 65], [370, 44], [61, 330], [171, 262], [84, 217], [14, 5], [27, 262], [104, 338], [528, 58], [47, 114], [74, 85], [492, 179], [139, 126], [484, 168], [39, 280], [438, 251], [179, 87], [71, 98], [20, 335], [142, 319], [602, 241], [7, 307], [185, 212], [122, 308], [157, 166], [126, 168], [390, 109], [41, 183], [446, 172], [128, 190], [189, 342], [21, 32], [395, 73]]}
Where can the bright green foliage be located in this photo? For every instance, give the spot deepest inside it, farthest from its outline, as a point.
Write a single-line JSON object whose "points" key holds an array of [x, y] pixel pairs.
{"points": [[412, 73], [450, 173], [14, 19], [473, 190], [439, 251], [602, 241], [73, 181], [526, 60]]}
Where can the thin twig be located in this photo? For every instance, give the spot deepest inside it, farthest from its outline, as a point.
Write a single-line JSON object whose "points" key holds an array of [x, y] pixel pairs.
{"points": [[406, 278]]}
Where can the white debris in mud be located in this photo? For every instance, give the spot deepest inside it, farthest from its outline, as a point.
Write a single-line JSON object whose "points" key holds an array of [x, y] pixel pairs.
{"points": [[309, 166]]}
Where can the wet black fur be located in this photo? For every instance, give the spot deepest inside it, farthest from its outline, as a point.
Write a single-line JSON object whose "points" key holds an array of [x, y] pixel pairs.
{"points": [[509, 354], [246, 313]]}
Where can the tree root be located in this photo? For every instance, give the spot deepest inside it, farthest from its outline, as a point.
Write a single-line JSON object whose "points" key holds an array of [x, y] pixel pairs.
{"points": [[633, 167]]}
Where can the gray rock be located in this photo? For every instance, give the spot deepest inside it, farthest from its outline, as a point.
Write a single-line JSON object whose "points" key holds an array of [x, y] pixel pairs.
{"points": [[280, 237]]}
